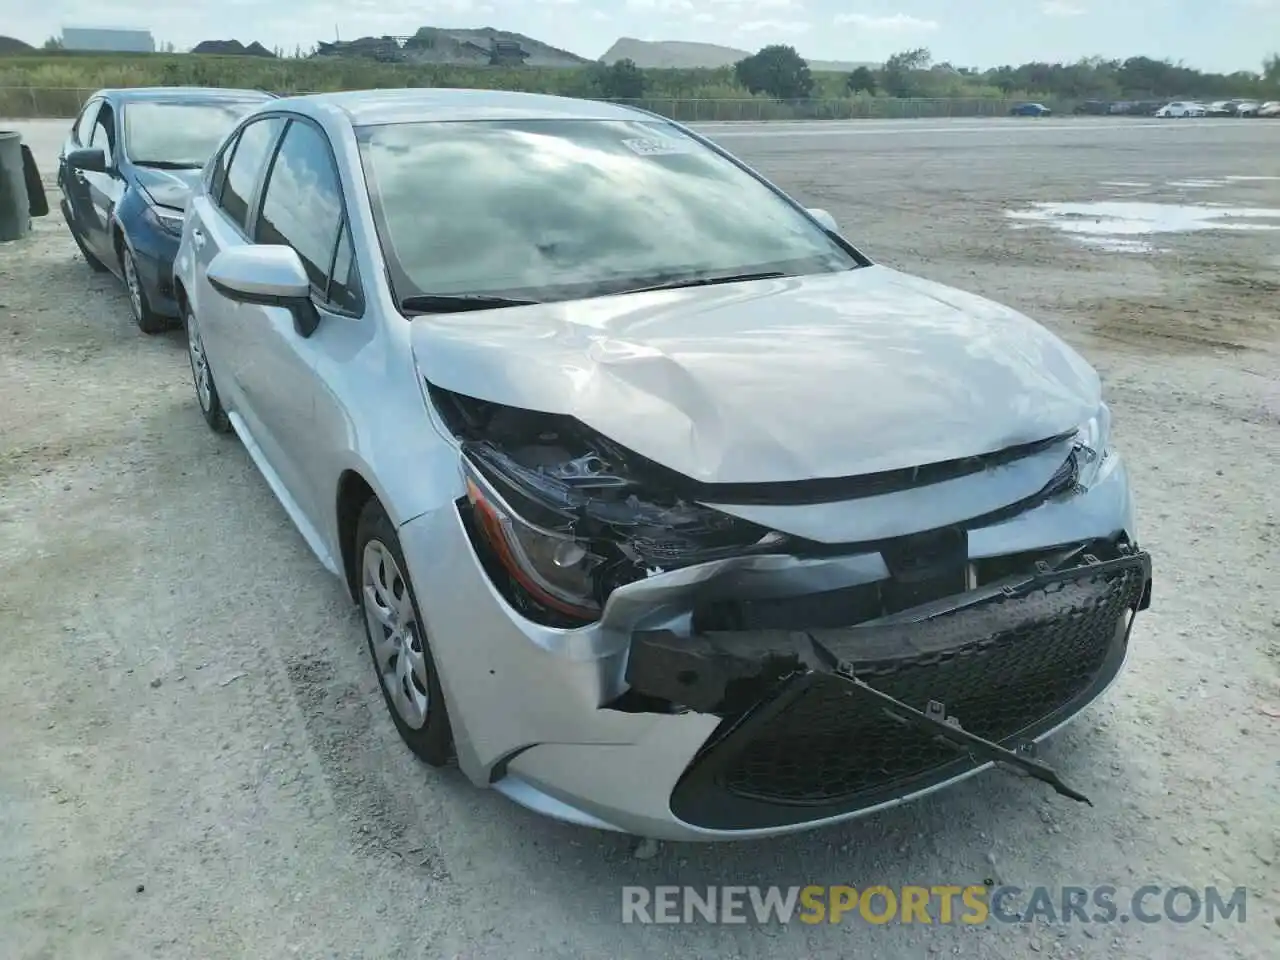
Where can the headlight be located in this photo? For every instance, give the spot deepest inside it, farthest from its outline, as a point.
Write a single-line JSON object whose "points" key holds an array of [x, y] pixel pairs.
{"points": [[170, 221], [555, 568], [1093, 447]]}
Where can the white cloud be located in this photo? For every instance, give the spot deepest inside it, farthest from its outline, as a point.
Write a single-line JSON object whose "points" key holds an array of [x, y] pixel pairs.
{"points": [[1062, 8], [897, 23], [773, 26]]}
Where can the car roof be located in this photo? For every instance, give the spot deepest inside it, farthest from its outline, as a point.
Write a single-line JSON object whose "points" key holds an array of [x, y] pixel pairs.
{"points": [[410, 105], [182, 94]]}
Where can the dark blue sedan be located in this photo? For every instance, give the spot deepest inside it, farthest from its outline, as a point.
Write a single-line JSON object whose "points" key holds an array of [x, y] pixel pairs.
{"points": [[1030, 110], [125, 173]]}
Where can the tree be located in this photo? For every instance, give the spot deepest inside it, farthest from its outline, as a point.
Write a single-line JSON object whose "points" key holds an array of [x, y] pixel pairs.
{"points": [[1271, 69], [899, 69], [861, 80], [53, 43], [776, 70], [621, 80]]}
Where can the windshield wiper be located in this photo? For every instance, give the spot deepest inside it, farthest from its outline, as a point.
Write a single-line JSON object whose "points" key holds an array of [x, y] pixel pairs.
{"points": [[458, 303], [706, 281], [168, 164]]}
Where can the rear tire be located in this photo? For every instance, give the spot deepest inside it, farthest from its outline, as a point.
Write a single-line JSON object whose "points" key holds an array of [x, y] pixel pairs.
{"points": [[202, 375], [398, 640]]}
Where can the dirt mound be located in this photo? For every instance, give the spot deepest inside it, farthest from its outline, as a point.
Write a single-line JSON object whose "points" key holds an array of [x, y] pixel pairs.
{"points": [[13, 45], [232, 48], [684, 55]]}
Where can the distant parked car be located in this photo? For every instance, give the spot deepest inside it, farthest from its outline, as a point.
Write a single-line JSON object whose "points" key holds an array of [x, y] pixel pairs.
{"points": [[1247, 108], [125, 173], [1096, 108], [1269, 109], [1221, 108], [1182, 108], [1030, 110]]}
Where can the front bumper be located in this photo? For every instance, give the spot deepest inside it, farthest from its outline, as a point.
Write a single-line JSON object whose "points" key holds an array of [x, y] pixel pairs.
{"points": [[539, 714], [154, 253]]}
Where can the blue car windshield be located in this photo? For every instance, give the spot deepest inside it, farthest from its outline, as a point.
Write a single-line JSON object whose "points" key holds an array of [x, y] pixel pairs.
{"points": [[176, 134]]}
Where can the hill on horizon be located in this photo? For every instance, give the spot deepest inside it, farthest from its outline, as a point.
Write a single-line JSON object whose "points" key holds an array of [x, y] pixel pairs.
{"points": [[687, 55]]}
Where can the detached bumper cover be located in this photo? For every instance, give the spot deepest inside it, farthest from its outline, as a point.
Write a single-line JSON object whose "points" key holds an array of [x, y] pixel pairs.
{"points": [[1010, 663]]}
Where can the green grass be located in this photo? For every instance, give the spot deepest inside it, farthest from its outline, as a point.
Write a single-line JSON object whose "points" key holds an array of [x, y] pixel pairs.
{"points": [[55, 84]]}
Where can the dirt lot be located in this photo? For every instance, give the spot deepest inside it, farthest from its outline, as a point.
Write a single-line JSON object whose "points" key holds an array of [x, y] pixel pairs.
{"points": [[195, 760]]}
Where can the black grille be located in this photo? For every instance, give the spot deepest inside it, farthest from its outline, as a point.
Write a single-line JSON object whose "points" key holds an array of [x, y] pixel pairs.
{"points": [[1002, 668]]}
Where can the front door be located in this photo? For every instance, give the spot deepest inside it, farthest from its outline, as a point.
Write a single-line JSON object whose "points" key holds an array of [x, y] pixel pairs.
{"points": [[300, 207]]}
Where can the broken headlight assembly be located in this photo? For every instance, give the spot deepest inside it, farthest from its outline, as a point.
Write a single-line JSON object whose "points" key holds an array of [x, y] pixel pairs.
{"points": [[561, 516], [555, 569], [1093, 448]]}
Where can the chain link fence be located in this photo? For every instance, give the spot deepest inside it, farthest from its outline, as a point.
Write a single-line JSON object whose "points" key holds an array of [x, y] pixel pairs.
{"points": [[65, 102]]}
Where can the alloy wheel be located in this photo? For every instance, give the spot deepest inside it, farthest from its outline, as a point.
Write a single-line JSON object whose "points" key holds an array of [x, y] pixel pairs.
{"points": [[395, 633], [132, 282], [199, 363]]}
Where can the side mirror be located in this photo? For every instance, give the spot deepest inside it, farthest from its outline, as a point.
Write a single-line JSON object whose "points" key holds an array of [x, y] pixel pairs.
{"points": [[266, 275], [827, 220], [88, 158]]}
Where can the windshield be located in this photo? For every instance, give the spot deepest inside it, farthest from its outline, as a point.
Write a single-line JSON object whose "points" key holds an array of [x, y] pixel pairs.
{"points": [[562, 209], [178, 134]]}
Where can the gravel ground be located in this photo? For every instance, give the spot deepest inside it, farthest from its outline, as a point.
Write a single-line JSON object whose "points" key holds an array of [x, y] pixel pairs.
{"points": [[195, 761]]}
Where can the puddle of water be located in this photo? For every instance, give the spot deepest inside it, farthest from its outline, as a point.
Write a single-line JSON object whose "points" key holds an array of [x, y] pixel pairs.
{"points": [[1133, 219], [1118, 244], [1253, 178], [1196, 184], [1124, 183]]}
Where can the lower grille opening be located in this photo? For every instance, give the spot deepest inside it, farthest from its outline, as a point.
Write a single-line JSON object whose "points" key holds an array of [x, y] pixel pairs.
{"points": [[1011, 667]]}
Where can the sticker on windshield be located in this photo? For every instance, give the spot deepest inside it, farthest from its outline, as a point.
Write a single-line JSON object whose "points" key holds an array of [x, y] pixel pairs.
{"points": [[656, 146]]}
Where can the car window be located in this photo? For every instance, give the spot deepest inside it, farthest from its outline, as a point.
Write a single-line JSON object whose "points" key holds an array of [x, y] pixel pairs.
{"points": [[84, 125], [344, 282], [104, 130], [302, 202], [178, 134], [218, 175], [252, 155], [561, 209]]}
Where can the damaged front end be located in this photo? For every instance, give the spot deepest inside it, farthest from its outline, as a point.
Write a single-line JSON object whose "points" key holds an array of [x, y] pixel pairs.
{"points": [[842, 676], [562, 517]]}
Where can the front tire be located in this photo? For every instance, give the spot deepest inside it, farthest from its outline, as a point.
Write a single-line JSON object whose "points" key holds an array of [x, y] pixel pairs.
{"points": [[202, 376], [398, 641], [148, 321]]}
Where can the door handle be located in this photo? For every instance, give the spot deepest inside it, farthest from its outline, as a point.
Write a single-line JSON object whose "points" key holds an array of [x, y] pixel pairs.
{"points": [[197, 238]]}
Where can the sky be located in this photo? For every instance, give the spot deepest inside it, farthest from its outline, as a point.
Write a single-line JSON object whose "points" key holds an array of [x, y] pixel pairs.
{"points": [[1218, 35]]}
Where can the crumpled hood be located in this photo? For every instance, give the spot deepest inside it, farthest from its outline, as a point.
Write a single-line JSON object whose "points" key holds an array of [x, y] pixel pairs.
{"points": [[167, 188], [833, 375]]}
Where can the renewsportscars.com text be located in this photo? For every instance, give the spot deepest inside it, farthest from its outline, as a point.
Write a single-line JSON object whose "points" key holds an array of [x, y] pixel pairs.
{"points": [[972, 904]]}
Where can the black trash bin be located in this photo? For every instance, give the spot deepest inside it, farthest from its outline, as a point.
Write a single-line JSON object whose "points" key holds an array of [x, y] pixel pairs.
{"points": [[21, 192]]}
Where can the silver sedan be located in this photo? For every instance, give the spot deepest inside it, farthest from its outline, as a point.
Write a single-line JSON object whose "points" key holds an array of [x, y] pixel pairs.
{"points": [[667, 509]]}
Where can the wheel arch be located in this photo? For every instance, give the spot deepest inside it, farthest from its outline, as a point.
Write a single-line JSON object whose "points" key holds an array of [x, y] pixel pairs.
{"points": [[354, 491]]}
